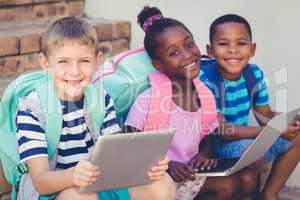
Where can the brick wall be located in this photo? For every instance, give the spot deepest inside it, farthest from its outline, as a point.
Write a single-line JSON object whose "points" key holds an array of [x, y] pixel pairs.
{"points": [[23, 22]]}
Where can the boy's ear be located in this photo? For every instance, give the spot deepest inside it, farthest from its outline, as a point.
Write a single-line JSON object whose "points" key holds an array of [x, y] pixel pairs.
{"points": [[98, 59], [253, 49], [43, 61], [209, 51], [157, 64]]}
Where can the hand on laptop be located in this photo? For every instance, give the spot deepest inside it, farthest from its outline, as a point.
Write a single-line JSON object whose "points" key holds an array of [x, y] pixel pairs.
{"points": [[159, 170], [181, 172], [84, 173], [202, 163]]}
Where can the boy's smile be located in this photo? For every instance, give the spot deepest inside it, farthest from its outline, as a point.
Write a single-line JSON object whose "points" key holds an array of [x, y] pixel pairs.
{"points": [[232, 48], [178, 54], [72, 66]]}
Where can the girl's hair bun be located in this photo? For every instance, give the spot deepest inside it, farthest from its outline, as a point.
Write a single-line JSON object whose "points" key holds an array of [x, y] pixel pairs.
{"points": [[148, 16]]}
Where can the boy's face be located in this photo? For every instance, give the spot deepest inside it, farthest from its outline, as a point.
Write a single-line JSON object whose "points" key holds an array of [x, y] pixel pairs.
{"points": [[232, 48], [72, 66], [179, 56]]}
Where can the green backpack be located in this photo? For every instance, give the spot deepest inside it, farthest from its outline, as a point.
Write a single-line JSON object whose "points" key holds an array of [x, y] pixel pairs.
{"points": [[41, 82], [124, 77]]}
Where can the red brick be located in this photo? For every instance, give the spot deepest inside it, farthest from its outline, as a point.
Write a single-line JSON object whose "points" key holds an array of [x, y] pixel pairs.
{"points": [[106, 49], [8, 14], [57, 10], [13, 65], [120, 46], [30, 62], [122, 30], [76, 8], [9, 45], [104, 31], [26, 13], [41, 11], [30, 43], [8, 65]]}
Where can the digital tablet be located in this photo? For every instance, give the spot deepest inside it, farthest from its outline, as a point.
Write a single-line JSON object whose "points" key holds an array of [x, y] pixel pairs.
{"points": [[125, 159]]}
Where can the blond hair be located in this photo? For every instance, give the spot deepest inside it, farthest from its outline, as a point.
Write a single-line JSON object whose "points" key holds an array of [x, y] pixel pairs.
{"points": [[69, 30]]}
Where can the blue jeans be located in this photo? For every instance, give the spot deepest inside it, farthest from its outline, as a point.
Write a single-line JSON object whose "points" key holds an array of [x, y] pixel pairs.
{"points": [[236, 148]]}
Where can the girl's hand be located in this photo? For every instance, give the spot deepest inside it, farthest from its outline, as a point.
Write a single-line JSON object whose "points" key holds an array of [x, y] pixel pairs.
{"points": [[198, 162], [85, 173], [181, 171], [159, 170]]}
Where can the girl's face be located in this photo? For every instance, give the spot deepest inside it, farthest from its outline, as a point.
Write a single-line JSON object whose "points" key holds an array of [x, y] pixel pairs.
{"points": [[179, 56]]}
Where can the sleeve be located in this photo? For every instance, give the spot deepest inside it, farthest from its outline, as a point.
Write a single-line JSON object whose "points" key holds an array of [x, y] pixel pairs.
{"points": [[209, 84], [31, 138], [139, 110], [261, 87], [110, 123]]}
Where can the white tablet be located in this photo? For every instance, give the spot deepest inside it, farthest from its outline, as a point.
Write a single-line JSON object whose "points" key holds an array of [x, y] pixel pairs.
{"points": [[125, 159]]}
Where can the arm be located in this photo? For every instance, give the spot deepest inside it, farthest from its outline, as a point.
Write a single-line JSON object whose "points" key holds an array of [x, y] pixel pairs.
{"points": [[229, 132], [263, 114], [46, 181]]}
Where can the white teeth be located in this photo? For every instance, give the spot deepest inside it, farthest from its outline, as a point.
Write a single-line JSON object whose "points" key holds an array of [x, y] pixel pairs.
{"points": [[190, 65], [232, 61]]}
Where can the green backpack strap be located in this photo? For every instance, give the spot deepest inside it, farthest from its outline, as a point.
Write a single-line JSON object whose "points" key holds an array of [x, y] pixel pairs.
{"points": [[95, 104], [53, 111], [53, 114]]}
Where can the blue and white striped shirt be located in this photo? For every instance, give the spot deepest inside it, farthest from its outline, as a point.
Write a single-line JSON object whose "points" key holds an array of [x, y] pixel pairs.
{"points": [[237, 102], [76, 140]]}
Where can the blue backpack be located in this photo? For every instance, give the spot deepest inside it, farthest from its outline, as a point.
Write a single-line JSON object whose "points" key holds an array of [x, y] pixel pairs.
{"points": [[210, 67], [51, 110]]}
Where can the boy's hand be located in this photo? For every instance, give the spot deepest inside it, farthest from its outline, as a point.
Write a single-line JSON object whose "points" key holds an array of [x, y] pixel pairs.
{"points": [[85, 174], [198, 161], [181, 171], [159, 170], [293, 129]]}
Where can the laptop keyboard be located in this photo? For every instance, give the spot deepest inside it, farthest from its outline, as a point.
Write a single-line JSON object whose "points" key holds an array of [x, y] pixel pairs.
{"points": [[223, 165]]}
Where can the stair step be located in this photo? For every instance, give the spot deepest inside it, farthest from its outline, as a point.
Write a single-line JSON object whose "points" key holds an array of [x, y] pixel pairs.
{"points": [[38, 10], [20, 44]]}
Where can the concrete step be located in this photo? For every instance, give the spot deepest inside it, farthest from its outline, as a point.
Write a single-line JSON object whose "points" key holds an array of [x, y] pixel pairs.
{"points": [[20, 44]]}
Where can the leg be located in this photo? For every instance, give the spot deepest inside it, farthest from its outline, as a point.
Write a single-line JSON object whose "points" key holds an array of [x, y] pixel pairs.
{"points": [[72, 193], [282, 168], [248, 181], [4, 185], [219, 188], [158, 190]]}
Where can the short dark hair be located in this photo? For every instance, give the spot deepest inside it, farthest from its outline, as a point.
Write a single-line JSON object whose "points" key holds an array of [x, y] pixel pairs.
{"points": [[226, 19], [157, 27]]}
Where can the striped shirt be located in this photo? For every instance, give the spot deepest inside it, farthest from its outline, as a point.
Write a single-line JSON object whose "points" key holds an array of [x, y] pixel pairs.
{"points": [[76, 141], [237, 102]]}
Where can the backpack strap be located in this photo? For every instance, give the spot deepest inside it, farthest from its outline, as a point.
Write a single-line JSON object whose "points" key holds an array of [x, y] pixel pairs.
{"points": [[160, 102], [208, 107], [52, 114], [209, 66], [95, 105], [251, 82]]}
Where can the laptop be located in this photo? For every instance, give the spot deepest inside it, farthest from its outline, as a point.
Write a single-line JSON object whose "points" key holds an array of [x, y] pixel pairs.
{"points": [[257, 149], [125, 159]]}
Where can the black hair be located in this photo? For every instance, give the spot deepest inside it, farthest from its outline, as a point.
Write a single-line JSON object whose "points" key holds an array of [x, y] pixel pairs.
{"points": [[226, 19], [157, 27]]}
